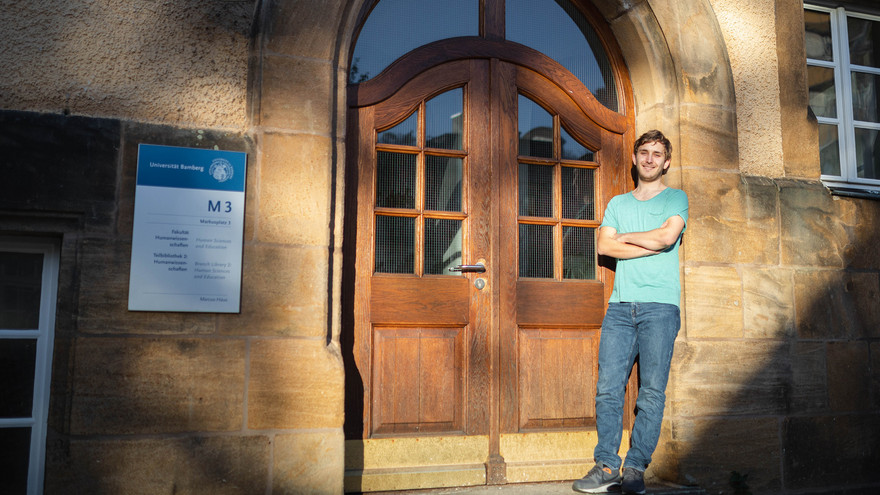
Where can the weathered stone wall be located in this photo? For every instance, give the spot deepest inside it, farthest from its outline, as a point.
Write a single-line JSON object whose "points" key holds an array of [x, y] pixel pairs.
{"points": [[183, 62], [774, 382], [146, 402], [775, 374]]}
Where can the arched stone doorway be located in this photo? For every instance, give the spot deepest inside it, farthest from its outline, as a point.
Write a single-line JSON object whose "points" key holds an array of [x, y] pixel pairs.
{"points": [[302, 60]]}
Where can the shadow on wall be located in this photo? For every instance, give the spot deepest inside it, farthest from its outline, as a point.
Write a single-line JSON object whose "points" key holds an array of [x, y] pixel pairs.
{"points": [[793, 404]]}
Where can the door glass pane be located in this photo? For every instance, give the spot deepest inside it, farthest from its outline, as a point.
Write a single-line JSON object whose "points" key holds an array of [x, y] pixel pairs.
{"points": [[443, 120], [817, 35], [18, 358], [536, 251], [823, 97], [403, 133], [395, 180], [577, 193], [573, 150], [864, 41], [867, 153], [396, 27], [15, 448], [560, 31], [395, 244], [535, 190], [442, 245], [829, 149], [21, 277], [443, 183], [535, 129], [865, 101], [578, 253]]}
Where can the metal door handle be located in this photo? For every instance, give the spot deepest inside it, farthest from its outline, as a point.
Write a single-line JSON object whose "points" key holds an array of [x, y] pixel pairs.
{"points": [[478, 268]]}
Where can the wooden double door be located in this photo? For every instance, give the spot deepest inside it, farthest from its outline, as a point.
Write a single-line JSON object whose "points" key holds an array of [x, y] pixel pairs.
{"points": [[474, 292]]}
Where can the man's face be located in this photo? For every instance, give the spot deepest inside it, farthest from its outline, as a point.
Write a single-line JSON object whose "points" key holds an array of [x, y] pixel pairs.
{"points": [[650, 161]]}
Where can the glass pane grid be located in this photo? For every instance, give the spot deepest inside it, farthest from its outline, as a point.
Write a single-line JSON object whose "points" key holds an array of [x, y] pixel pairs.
{"points": [[444, 120], [395, 244], [442, 245], [395, 180], [578, 193], [536, 251], [578, 253], [535, 190], [443, 183]]}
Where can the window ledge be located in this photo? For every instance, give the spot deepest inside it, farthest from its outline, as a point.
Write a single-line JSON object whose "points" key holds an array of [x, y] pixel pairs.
{"points": [[853, 191]]}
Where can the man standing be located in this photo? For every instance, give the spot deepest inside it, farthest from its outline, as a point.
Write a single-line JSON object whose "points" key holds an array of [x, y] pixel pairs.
{"points": [[642, 230]]}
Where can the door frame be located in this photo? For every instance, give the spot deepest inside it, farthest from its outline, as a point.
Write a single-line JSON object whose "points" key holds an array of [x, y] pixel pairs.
{"points": [[361, 473]]}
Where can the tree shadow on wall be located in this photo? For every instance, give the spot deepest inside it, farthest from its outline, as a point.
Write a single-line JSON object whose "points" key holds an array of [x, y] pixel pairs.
{"points": [[795, 409]]}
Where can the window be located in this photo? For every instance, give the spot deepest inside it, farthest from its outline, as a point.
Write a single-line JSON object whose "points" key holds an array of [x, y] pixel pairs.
{"points": [[843, 74], [28, 280], [396, 27]]}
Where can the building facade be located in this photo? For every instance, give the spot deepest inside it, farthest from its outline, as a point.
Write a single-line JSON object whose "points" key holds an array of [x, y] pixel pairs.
{"points": [[349, 369]]}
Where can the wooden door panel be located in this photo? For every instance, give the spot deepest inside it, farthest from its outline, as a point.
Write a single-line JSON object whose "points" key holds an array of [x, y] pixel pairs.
{"points": [[414, 300], [557, 377], [418, 380], [559, 303]]}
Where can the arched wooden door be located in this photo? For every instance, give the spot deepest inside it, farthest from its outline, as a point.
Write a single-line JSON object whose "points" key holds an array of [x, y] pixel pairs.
{"points": [[481, 163]]}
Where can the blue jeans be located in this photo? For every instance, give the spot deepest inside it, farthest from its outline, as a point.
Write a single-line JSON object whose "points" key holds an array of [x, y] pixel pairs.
{"points": [[629, 329]]}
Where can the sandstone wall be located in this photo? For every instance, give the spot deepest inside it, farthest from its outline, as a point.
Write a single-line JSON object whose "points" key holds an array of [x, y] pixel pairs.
{"points": [[178, 62]]}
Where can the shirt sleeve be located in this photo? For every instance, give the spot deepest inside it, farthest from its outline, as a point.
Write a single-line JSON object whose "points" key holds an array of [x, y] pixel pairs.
{"points": [[678, 205], [610, 218]]}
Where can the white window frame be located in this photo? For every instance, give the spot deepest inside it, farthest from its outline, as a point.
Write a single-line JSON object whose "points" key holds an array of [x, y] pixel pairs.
{"points": [[848, 182], [45, 337]]}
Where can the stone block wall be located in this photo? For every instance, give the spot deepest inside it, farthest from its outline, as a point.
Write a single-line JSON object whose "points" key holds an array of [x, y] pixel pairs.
{"points": [[155, 402], [774, 383]]}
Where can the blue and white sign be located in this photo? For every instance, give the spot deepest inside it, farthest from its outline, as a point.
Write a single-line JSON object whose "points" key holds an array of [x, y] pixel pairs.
{"points": [[186, 251]]}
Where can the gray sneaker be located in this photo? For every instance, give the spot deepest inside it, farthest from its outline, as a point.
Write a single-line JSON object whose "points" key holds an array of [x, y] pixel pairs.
{"points": [[633, 481], [598, 480]]}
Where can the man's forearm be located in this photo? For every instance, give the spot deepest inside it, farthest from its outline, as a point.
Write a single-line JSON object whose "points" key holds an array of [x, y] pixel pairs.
{"points": [[614, 248]]}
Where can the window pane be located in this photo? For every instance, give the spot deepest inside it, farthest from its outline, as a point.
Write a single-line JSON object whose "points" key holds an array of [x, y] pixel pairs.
{"points": [[865, 101], [867, 153], [823, 97], [536, 251], [577, 193], [18, 359], [864, 41], [535, 190], [396, 180], [443, 124], [535, 129], [15, 450], [396, 27], [395, 246], [578, 253], [817, 35], [573, 150], [560, 31], [442, 183], [442, 245], [829, 149], [403, 133], [21, 276]]}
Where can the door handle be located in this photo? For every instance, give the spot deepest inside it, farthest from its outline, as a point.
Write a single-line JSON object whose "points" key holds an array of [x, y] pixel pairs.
{"points": [[478, 268]]}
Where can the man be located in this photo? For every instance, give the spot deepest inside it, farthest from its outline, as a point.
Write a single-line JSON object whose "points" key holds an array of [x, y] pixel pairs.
{"points": [[642, 230]]}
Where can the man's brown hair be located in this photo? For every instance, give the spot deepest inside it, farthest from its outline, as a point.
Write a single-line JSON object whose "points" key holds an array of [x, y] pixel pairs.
{"points": [[653, 136]]}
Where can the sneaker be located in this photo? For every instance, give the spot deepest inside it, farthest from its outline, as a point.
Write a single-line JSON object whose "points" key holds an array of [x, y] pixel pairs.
{"points": [[633, 481], [598, 480]]}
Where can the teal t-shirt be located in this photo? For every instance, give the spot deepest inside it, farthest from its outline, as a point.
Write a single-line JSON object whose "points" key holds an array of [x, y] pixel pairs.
{"points": [[654, 278]]}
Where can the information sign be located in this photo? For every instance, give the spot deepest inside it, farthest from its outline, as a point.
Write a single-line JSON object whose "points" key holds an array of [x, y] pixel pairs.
{"points": [[186, 247]]}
